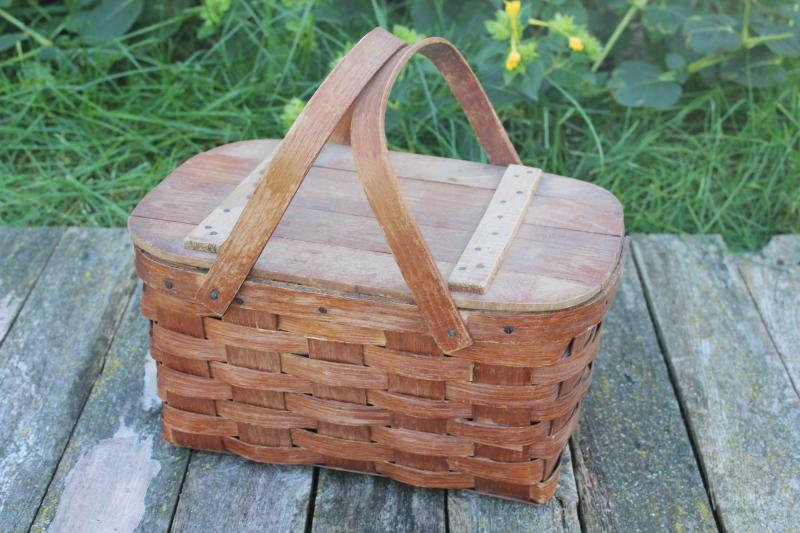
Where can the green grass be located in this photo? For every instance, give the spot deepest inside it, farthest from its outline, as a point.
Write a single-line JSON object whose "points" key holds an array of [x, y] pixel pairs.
{"points": [[84, 137]]}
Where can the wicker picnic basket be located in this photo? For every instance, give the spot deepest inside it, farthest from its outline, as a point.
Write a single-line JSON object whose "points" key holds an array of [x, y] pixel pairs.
{"points": [[320, 324]]}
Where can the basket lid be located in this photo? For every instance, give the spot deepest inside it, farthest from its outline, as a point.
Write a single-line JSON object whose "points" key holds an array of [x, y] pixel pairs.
{"points": [[563, 253]]}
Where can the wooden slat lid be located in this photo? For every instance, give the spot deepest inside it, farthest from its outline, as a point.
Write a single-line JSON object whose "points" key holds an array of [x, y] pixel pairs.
{"points": [[564, 251]]}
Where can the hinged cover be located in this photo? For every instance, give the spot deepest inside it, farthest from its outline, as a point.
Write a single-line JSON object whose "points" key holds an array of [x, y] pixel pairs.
{"points": [[479, 261], [566, 247]]}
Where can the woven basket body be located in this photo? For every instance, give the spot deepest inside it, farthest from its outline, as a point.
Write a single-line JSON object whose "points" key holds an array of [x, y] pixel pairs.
{"points": [[325, 355]]}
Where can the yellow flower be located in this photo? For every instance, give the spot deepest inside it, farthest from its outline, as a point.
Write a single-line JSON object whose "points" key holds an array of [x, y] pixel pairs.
{"points": [[512, 8], [513, 60], [576, 44]]}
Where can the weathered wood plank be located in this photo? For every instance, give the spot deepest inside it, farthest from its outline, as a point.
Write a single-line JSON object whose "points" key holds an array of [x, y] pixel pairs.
{"points": [[773, 277], [634, 464], [117, 474], [25, 253], [227, 493], [355, 502], [50, 358], [742, 411], [489, 243], [468, 511], [329, 235]]}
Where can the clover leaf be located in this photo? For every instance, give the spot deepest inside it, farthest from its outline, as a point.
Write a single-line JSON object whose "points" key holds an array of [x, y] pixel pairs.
{"points": [[107, 20], [665, 20], [759, 68], [642, 84], [712, 34], [788, 46]]}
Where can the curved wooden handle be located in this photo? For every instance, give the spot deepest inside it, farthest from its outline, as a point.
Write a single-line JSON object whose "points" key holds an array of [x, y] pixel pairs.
{"points": [[290, 164], [330, 110], [371, 155]]}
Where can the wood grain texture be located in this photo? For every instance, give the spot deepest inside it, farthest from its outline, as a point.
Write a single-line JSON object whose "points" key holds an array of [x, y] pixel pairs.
{"points": [[289, 166], [562, 202], [50, 358], [773, 279], [487, 248], [742, 411], [226, 493], [350, 502], [329, 398], [329, 238], [25, 253], [633, 461], [374, 170], [117, 473], [472, 512]]}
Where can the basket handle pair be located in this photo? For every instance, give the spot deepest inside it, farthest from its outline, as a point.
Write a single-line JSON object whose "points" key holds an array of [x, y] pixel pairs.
{"points": [[353, 99]]}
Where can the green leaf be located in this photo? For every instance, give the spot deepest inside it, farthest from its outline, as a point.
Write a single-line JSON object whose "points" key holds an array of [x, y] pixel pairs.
{"points": [[788, 47], [642, 84], [572, 8], [532, 81], [407, 34], [9, 40], [108, 20], [676, 63], [435, 16], [764, 70], [156, 12], [338, 11], [76, 5], [712, 34], [665, 20], [499, 28]]}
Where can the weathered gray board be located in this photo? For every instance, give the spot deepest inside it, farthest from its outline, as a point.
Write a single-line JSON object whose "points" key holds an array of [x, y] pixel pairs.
{"points": [[227, 493], [25, 253], [633, 461], [743, 413], [470, 512], [117, 473], [50, 358], [354, 502], [773, 277]]}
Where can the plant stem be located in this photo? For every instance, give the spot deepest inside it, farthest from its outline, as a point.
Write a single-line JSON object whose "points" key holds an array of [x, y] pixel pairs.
{"points": [[635, 7], [43, 41], [746, 22], [750, 42], [705, 62]]}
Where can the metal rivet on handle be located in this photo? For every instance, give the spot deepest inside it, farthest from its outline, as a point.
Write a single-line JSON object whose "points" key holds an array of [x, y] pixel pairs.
{"points": [[168, 284], [451, 333], [508, 330], [213, 294], [322, 310], [238, 301]]}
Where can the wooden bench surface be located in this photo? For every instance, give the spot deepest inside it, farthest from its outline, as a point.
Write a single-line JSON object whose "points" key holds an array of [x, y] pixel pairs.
{"points": [[692, 422]]}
